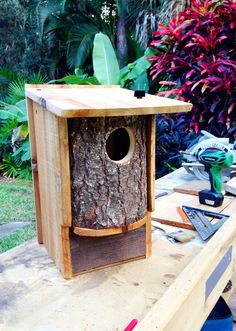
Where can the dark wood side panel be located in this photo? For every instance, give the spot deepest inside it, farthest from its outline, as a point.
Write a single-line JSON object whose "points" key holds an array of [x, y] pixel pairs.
{"points": [[92, 253]]}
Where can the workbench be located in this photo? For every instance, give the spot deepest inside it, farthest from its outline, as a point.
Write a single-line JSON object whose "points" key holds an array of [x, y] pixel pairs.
{"points": [[175, 289]]}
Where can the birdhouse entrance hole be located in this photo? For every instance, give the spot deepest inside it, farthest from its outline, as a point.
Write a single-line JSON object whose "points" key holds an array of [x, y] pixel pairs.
{"points": [[120, 145]]}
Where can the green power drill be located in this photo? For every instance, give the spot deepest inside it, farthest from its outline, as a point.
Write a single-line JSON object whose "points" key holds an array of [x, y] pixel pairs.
{"points": [[214, 161]]}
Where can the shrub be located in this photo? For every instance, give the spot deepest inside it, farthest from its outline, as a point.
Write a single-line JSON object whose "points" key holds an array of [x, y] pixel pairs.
{"points": [[14, 133], [172, 136], [196, 60]]}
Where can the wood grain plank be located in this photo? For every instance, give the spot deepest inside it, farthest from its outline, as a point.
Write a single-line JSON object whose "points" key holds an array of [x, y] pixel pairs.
{"points": [[50, 181], [101, 101], [151, 133], [189, 289], [65, 177], [65, 237], [148, 235], [193, 187], [33, 150], [110, 231]]}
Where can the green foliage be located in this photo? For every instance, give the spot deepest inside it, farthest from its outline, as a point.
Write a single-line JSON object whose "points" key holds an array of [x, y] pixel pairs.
{"points": [[105, 64], [14, 132], [69, 28], [106, 69], [197, 60], [9, 167], [20, 48], [134, 75]]}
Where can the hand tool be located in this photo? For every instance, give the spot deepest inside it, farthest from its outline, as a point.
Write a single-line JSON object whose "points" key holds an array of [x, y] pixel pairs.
{"points": [[214, 161], [198, 217], [179, 235]]}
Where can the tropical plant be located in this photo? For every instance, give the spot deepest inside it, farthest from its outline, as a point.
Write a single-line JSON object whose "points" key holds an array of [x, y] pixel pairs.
{"points": [[106, 68], [14, 133], [196, 59], [172, 136], [71, 26], [20, 47]]}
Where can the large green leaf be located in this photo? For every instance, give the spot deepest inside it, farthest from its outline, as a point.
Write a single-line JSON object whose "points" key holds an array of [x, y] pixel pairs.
{"points": [[17, 111], [73, 79], [141, 83], [105, 64], [136, 70]]}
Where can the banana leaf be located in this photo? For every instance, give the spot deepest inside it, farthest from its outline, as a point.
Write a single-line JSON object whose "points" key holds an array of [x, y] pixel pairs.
{"points": [[105, 64]]}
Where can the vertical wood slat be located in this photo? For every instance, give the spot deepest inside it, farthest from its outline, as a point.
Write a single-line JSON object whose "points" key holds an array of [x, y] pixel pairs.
{"points": [[54, 180], [65, 195], [148, 235], [35, 170], [151, 129]]}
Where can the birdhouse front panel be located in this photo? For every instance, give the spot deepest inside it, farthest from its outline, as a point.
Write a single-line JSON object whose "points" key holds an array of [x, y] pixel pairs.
{"points": [[108, 171]]}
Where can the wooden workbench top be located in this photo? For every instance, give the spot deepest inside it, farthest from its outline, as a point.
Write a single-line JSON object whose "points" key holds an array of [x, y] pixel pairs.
{"points": [[160, 291], [97, 101], [35, 295]]}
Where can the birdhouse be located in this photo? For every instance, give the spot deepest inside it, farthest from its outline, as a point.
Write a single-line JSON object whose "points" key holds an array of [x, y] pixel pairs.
{"points": [[93, 160]]}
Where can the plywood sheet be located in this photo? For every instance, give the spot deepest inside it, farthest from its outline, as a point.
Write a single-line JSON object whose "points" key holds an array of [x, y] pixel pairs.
{"points": [[166, 208]]}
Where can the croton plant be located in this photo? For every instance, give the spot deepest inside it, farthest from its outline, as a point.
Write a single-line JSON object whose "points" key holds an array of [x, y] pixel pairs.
{"points": [[196, 59]]}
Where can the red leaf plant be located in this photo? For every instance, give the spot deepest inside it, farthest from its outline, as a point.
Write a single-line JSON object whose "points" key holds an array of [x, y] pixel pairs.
{"points": [[196, 62]]}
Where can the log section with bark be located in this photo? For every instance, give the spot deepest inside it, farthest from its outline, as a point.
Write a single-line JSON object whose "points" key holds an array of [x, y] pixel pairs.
{"points": [[107, 192]]}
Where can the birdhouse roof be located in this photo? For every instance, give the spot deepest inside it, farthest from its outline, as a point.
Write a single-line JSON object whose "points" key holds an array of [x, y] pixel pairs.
{"points": [[70, 101]]}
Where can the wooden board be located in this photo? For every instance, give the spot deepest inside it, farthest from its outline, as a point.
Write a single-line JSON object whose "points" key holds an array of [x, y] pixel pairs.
{"points": [[34, 163], [166, 208], [51, 140], [151, 153], [97, 101], [198, 286], [192, 187]]}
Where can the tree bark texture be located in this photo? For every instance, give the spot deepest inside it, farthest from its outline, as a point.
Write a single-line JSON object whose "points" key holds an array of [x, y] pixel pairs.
{"points": [[106, 193], [122, 43]]}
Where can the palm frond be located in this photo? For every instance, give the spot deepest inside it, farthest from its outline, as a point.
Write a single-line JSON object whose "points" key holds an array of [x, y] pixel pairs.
{"points": [[46, 9], [16, 91], [38, 78]]}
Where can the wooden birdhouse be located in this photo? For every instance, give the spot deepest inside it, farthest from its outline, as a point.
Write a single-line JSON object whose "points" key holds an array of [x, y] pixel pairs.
{"points": [[93, 160]]}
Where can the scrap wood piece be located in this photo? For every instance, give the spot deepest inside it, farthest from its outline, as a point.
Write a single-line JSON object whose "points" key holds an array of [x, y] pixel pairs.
{"points": [[192, 187], [166, 209], [230, 186]]}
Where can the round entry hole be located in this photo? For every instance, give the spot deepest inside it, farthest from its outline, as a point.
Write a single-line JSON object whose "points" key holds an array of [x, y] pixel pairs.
{"points": [[120, 145]]}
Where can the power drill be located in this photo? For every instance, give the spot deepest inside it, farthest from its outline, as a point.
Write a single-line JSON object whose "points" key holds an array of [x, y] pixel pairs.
{"points": [[214, 161]]}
